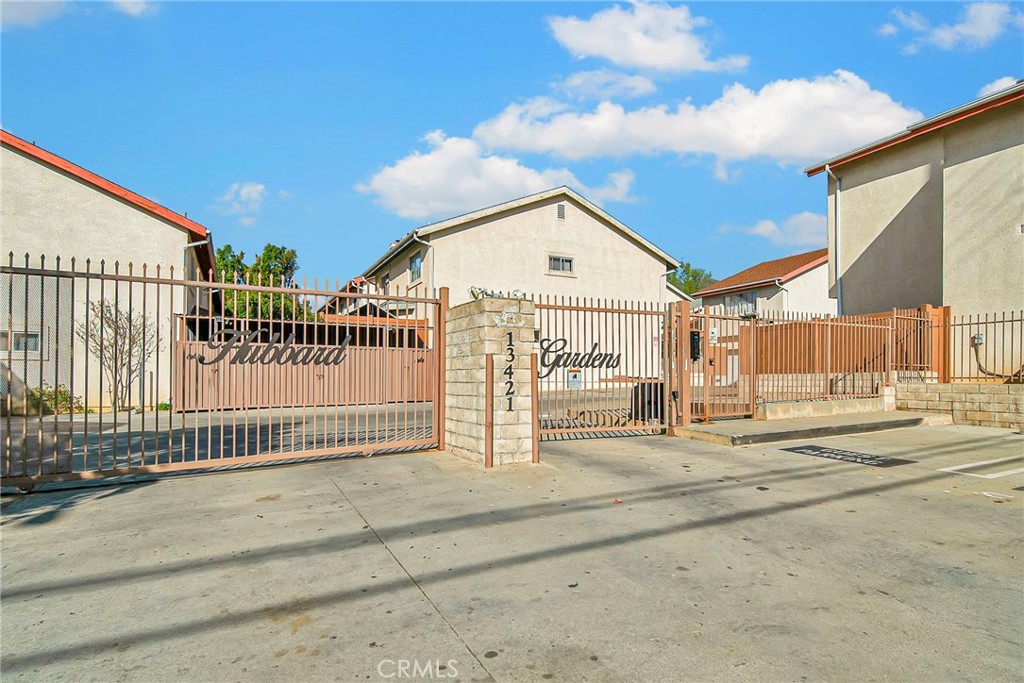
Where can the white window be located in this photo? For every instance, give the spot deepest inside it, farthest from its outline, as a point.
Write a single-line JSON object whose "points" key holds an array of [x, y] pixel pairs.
{"points": [[416, 267], [385, 281], [741, 303], [22, 342], [560, 264]]}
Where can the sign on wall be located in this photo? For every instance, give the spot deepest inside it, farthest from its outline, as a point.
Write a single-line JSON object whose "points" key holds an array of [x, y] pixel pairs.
{"points": [[241, 347]]}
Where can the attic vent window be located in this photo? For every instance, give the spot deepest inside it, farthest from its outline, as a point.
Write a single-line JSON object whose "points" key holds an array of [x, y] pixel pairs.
{"points": [[561, 212]]}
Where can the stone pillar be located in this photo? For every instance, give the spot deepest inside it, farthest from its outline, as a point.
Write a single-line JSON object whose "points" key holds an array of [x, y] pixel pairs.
{"points": [[475, 329]]}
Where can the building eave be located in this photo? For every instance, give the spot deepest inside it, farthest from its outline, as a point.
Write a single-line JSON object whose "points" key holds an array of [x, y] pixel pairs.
{"points": [[736, 288], [678, 292], [997, 99]]}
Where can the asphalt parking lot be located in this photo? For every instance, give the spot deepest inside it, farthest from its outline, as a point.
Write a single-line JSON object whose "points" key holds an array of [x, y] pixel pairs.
{"points": [[629, 559]]}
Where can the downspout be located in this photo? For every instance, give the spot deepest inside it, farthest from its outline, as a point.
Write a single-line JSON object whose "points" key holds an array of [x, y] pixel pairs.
{"points": [[430, 248], [839, 276], [184, 254], [663, 290]]}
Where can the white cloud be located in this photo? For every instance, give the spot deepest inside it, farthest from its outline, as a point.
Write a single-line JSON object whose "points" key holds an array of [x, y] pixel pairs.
{"points": [[723, 173], [244, 199], [35, 12], [979, 26], [645, 36], [135, 8], [29, 13], [457, 175], [789, 121], [996, 85], [888, 30], [804, 229], [605, 84], [915, 21]]}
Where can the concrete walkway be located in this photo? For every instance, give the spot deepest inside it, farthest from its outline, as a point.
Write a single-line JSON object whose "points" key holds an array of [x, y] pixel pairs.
{"points": [[631, 559], [743, 432]]}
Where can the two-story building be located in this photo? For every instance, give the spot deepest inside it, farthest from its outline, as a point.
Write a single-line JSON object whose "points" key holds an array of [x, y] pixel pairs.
{"points": [[551, 243], [933, 214]]}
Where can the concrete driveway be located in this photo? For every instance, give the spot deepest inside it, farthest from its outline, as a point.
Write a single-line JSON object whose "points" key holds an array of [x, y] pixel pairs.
{"points": [[718, 564]]}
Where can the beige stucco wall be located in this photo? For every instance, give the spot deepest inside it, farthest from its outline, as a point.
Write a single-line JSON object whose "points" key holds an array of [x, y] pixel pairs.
{"points": [[44, 211], [983, 208], [808, 292], [510, 251], [891, 229], [935, 220]]}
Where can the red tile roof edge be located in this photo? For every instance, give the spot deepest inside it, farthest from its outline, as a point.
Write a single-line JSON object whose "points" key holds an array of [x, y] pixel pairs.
{"points": [[196, 229], [762, 273]]}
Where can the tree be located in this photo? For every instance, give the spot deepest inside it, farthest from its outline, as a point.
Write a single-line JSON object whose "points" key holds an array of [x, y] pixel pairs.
{"points": [[691, 279], [275, 267], [122, 341]]}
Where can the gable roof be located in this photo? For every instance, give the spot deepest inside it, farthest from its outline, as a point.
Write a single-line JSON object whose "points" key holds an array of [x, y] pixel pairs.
{"points": [[982, 104], [456, 221], [195, 230], [778, 271]]}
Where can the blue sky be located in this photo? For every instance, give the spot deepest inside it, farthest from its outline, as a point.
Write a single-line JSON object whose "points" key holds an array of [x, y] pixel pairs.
{"points": [[335, 127]]}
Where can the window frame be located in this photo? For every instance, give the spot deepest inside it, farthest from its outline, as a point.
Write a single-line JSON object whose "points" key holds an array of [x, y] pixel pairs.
{"points": [[6, 338], [418, 275], [562, 259]]}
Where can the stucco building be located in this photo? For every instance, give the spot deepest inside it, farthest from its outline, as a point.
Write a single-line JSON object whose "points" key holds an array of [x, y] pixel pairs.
{"points": [[53, 208], [797, 283], [555, 242], [933, 214]]}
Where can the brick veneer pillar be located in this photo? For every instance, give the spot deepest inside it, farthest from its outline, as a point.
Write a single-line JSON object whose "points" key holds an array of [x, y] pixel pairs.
{"points": [[475, 329]]}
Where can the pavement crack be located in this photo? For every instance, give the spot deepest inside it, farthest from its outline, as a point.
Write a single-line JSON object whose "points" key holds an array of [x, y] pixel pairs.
{"points": [[412, 578]]}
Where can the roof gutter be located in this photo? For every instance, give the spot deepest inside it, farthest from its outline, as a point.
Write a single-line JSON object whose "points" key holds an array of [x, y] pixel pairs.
{"points": [[402, 243], [738, 288]]}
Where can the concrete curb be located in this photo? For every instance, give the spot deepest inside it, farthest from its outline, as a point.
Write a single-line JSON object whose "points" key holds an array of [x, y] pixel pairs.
{"points": [[723, 438]]}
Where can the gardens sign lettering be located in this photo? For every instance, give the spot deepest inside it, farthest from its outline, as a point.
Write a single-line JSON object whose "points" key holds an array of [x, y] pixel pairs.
{"points": [[241, 347], [553, 356]]}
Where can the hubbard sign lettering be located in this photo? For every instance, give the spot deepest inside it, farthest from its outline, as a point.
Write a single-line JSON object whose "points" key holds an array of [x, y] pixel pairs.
{"points": [[553, 355], [243, 347]]}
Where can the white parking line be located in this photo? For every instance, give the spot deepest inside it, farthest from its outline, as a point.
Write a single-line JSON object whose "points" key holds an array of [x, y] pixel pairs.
{"points": [[994, 475]]}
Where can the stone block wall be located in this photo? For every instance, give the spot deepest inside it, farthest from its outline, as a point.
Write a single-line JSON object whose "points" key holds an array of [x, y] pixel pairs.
{"points": [[475, 329], [987, 405]]}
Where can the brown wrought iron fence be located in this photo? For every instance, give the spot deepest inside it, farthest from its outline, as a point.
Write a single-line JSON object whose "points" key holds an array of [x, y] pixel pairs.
{"points": [[803, 356], [109, 370], [986, 347]]}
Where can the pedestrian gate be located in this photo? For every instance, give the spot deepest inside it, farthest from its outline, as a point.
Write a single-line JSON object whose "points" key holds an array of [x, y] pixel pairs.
{"points": [[602, 367]]}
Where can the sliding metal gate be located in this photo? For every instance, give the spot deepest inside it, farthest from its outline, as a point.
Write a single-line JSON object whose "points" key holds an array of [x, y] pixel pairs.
{"points": [[110, 370], [602, 367]]}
